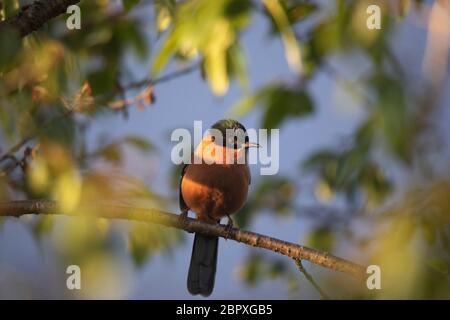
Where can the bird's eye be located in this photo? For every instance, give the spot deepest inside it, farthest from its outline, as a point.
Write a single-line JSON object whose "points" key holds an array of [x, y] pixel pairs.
{"points": [[213, 138]]}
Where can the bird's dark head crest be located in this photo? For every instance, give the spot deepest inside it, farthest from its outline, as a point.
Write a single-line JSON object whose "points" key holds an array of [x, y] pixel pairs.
{"points": [[225, 124], [239, 132]]}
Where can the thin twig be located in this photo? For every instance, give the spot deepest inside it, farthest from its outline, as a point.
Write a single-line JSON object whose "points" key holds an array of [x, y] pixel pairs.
{"points": [[292, 250], [311, 279], [162, 79]]}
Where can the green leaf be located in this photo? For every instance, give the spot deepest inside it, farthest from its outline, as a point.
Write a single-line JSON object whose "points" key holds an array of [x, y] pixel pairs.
{"points": [[144, 240], [215, 58], [392, 115], [139, 143], [285, 103], [319, 158], [236, 64], [321, 239], [112, 153], [252, 271], [164, 12], [43, 225], [439, 265], [102, 81], [11, 43], [280, 103], [248, 102], [300, 11], [168, 49], [131, 34], [10, 7], [291, 47], [295, 12], [216, 70], [210, 36], [129, 4]]}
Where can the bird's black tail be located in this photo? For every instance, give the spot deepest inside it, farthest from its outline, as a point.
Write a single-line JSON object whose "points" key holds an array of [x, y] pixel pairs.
{"points": [[202, 269]]}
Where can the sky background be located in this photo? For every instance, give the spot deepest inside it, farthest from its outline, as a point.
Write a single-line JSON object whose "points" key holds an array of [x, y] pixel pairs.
{"points": [[30, 268]]}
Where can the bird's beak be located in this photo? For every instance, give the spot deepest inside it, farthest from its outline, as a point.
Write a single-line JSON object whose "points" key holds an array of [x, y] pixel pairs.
{"points": [[252, 145]]}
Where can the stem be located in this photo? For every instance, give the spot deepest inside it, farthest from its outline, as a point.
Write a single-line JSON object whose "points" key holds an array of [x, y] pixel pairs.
{"points": [[311, 279]]}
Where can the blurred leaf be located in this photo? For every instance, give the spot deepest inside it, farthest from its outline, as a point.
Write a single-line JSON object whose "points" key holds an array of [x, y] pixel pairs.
{"points": [[146, 239], [67, 190], [103, 275], [439, 265], [112, 153], [38, 175], [271, 194], [211, 34], [278, 268], [296, 11], [347, 172], [292, 49], [43, 225], [444, 237], [300, 10], [376, 184], [11, 43], [129, 33], [321, 239], [323, 191], [102, 81], [403, 7], [215, 58], [10, 7], [129, 4], [164, 11], [397, 252], [237, 65], [281, 103], [284, 104], [113, 185], [318, 158], [251, 271], [324, 41], [392, 115], [139, 143], [249, 101], [167, 50], [258, 267], [429, 232]]}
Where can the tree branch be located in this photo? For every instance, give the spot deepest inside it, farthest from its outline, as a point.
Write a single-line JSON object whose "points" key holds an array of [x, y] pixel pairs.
{"points": [[292, 250], [32, 17]]}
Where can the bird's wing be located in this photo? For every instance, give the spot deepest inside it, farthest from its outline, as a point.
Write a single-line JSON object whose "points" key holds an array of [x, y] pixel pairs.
{"points": [[183, 205]]}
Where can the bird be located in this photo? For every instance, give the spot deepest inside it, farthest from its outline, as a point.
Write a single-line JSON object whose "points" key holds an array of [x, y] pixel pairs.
{"points": [[214, 188]]}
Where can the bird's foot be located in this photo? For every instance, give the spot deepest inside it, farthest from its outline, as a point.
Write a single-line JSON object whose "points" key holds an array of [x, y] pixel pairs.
{"points": [[229, 227], [183, 217]]}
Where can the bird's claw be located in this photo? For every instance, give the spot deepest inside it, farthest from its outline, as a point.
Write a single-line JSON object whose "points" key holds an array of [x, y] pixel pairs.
{"points": [[183, 217], [229, 227]]}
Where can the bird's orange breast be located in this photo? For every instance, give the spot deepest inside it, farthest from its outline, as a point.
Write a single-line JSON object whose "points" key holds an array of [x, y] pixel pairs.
{"points": [[215, 190]]}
